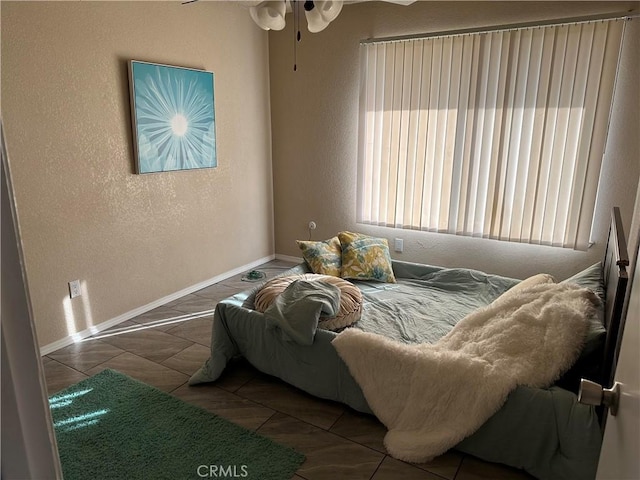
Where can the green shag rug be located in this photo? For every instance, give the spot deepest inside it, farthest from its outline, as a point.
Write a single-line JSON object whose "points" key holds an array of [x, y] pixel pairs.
{"points": [[111, 426]]}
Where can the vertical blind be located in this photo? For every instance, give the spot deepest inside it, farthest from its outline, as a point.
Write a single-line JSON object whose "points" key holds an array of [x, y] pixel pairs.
{"points": [[497, 134]]}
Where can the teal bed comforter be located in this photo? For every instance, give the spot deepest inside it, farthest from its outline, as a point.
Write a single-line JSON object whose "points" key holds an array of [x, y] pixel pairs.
{"points": [[544, 431]]}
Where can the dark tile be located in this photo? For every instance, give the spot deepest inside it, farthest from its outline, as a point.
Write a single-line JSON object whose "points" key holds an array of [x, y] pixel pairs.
{"points": [[60, 376], [86, 354], [362, 428], [328, 456], [282, 397], [445, 465], [162, 318], [131, 326], [235, 409], [475, 469], [120, 327], [238, 284], [177, 301], [273, 272], [146, 371], [217, 292], [149, 343], [392, 469], [189, 360], [197, 330], [270, 269], [238, 372], [195, 304]]}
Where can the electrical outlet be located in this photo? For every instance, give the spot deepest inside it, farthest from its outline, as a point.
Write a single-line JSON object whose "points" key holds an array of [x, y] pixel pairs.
{"points": [[74, 289], [399, 245], [312, 225]]}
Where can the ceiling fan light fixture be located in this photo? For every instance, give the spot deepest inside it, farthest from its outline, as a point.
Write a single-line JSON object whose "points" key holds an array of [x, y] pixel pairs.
{"points": [[315, 21], [269, 15], [329, 9]]}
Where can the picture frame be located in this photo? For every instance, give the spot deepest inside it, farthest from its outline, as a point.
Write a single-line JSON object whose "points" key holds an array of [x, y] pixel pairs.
{"points": [[173, 117]]}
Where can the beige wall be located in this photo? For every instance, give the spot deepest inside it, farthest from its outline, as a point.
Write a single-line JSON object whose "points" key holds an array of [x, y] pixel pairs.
{"points": [[315, 128], [131, 239], [624, 133]]}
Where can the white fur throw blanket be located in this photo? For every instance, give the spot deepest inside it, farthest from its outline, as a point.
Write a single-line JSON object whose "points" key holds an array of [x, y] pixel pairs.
{"points": [[431, 396]]}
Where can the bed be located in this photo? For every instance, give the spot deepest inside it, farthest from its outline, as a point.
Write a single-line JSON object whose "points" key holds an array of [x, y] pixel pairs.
{"points": [[544, 431]]}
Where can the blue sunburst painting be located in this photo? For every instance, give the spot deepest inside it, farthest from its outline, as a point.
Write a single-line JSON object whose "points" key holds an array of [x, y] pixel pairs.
{"points": [[173, 117]]}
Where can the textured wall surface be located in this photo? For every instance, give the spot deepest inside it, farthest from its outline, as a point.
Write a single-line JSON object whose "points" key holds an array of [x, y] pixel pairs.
{"points": [[315, 133], [624, 137], [130, 239]]}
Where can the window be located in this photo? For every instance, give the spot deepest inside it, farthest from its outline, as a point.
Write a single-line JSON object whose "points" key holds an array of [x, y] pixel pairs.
{"points": [[497, 134]]}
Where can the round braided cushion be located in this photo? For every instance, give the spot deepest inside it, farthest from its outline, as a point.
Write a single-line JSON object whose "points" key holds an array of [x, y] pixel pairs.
{"points": [[350, 298]]}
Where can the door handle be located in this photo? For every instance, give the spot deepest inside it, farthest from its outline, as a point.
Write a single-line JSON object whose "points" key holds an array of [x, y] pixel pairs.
{"points": [[592, 393]]}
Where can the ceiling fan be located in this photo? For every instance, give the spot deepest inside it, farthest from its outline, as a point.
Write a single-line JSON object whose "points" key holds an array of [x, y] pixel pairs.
{"points": [[270, 15]]}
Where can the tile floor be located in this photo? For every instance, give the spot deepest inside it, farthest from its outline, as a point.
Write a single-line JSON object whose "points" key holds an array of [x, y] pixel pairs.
{"points": [[339, 443]]}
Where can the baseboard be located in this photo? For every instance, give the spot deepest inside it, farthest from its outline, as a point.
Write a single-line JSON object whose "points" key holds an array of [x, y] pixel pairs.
{"points": [[71, 339], [288, 258]]}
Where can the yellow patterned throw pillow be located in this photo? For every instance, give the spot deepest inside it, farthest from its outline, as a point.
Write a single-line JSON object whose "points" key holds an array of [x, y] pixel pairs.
{"points": [[365, 258], [324, 258]]}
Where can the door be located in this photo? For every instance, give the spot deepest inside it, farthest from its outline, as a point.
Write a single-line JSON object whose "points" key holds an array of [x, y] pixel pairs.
{"points": [[621, 444], [28, 440]]}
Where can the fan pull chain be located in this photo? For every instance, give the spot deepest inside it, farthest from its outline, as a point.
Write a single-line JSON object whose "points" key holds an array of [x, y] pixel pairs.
{"points": [[296, 32]]}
